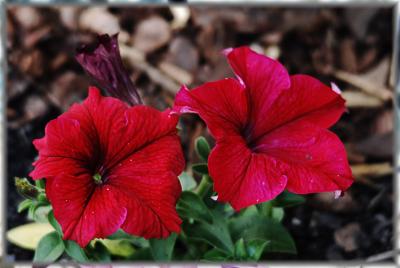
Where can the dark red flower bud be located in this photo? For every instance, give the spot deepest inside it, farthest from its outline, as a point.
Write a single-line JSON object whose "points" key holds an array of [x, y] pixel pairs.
{"points": [[104, 64]]}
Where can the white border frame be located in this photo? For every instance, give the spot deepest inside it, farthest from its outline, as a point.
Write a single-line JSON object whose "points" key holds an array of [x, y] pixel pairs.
{"points": [[394, 4]]}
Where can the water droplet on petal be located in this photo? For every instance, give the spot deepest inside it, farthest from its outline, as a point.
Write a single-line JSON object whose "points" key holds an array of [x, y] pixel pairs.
{"points": [[66, 200], [92, 212], [309, 157], [338, 194], [257, 200], [107, 188]]}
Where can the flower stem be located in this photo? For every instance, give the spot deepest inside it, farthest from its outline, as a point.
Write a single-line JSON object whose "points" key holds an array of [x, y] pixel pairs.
{"points": [[204, 186]]}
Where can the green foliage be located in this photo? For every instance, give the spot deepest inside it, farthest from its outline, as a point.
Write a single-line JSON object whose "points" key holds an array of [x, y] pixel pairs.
{"points": [[50, 248], [211, 230], [215, 234], [287, 199], [162, 249], [190, 206], [187, 181], [26, 204], [201, 168], [75, 251], [54, 223], [98, 252], [202, 148]]}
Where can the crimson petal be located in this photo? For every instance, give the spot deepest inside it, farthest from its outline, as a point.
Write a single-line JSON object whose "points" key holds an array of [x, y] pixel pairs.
{"points": [[221, 104], [241, 177], [149, 188], [315, 157], [83, 210], [265, 80]]}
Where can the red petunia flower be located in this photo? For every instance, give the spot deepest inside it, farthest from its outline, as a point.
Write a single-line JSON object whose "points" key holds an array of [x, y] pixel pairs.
{"points": [[270, 130], [109, 166]]}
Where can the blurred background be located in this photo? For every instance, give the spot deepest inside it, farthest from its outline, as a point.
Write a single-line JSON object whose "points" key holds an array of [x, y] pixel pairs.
{"points": [[164, 47]]}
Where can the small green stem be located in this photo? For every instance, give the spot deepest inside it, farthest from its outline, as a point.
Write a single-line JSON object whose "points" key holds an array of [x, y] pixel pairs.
{"points": [[204, 186]]}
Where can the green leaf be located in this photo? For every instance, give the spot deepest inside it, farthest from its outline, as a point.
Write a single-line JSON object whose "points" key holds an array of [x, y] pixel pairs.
{"points": [[75, 251], [50, 248], [215, 234], [201, 168], [262, 227], [143, 254], [137, 241], [39, 211], [187, 181], [35, 206], [24, 205], [215, 255], [277, 214], [202, 148], [255, 248], [54, 223], [287, 199], [99, 252], [240, 250], [162, 249], [191, 206], [122, 248], [27, 236]]}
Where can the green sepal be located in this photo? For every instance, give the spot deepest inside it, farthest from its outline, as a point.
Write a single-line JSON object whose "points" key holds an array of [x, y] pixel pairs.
{"points": [[24, 205], [202, 148]]}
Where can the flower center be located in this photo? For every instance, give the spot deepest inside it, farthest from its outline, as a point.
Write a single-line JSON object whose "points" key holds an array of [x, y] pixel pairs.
{"points": [[97, 178]]}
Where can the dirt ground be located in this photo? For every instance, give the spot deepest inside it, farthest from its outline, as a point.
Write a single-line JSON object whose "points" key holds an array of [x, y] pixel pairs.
{"points": [[164, 47]]}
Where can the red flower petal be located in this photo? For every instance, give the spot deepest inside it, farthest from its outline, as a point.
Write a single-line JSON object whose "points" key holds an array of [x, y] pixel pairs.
{"points": [[141, 125], [315, 157], [241, 177], [83, 134], [62, 136], [84, 210], [49, 167], [307, 99], [150, 188], [264, 78], [221, 104]]}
